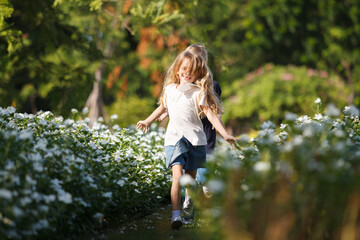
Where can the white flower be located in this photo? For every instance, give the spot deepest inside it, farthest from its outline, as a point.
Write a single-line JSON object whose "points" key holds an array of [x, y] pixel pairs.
{"points": [[69, 122], [116, 127], [318, 100], [339, 133], [30, 181], [46, 114], [308, 132], [290, 116], [6, 194], [134, 183], [352, 110], [44, 208], [26, 134], [35, 157], [43, 122], [65, 197], [8, 111], [318, 116], [332, 110], [244, 187], [98, 216], [38, 167], [17, 211], [120, 182], [107, 194], [85, 110], [216, 186], [49, 198], [304, 119], [25, 200], [41, 144], [114, 117], [267, 125], [74, 111], [186, 180], [42, 224], [19, 116], [297, 140], [262, 166]]}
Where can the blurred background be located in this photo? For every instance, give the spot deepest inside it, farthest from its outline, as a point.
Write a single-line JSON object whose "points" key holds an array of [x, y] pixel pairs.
{"points": [[269, 57]]}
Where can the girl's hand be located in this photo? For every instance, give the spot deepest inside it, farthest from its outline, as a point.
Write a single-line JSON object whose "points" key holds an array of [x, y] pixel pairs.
{"points": [[144, 126], [230, 139]]}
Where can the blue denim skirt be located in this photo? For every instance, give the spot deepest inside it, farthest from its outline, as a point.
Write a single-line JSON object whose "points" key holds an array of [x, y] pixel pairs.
{"points": [[184, 153]]}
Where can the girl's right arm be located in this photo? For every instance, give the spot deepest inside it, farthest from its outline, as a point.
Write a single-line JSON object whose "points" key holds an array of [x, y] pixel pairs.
{"points": [[144, 124], [215, 120]]}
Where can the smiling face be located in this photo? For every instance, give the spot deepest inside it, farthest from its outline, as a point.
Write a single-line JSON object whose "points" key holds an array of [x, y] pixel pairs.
{"points": [[185, 74]]}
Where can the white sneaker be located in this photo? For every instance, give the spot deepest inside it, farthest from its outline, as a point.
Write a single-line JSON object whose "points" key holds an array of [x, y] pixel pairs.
{"points": [[188, 221], [207, 192], [188, 209], [176, 222]]}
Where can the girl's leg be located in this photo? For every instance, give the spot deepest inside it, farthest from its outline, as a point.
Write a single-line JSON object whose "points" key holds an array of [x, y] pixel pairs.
{"points": [[192, 173], [188, 206], [175, 187]]}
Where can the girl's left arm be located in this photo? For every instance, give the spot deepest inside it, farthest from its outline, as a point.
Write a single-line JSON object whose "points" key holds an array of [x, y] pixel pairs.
{"points": [[215, 120], [144, 124]]}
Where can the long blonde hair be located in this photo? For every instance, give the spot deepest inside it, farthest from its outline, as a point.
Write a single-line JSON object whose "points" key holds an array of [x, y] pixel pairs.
{"points": [[200, 49], [203, 76]]}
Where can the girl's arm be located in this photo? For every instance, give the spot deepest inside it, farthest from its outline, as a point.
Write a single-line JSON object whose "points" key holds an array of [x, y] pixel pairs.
{"points": [[144, 124], [162, 116], [215, 120]]}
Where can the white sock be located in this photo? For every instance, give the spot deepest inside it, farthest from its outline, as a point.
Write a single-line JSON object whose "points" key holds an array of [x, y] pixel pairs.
{"points": [[176, 213]]}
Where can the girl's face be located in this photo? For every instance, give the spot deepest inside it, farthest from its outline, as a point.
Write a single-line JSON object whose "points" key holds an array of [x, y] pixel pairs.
{"points": [[184, 72]]}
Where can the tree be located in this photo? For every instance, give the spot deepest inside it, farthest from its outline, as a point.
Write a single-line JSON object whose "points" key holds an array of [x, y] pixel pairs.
{"points": [[323, 34], [108, 21], [41, 71]]}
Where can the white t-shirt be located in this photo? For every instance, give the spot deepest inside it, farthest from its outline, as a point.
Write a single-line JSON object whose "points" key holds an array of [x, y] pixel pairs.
{"points": [[183, 106]]}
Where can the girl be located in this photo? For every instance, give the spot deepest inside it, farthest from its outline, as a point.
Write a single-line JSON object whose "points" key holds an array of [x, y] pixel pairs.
{"points": [[187, 95], [210, 132]]}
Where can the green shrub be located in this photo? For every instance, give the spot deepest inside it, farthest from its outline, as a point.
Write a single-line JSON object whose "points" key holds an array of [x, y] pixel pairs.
{"points": [[59, 178], [270, 91], [297, 181], [130, 110]]}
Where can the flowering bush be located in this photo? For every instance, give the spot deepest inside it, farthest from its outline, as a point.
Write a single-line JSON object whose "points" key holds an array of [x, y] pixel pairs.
{"points": [[271, 90], [298, 181], [60, 176]]}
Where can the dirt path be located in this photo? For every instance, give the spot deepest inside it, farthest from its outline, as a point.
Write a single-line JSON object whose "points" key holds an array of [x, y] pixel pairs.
{"points": [[154, 226]]}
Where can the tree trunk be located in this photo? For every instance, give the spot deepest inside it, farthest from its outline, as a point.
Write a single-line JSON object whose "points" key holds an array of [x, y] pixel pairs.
{"points": [[33, 107], [95, 102]]}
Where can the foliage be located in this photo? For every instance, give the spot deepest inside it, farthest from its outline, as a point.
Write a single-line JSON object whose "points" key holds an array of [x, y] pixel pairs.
{"points": [[11, 36], [51, 58], [63, 43], [51, 49], [315, 33], [130, 110], [270, 91], [60, 177], [296, 181]]}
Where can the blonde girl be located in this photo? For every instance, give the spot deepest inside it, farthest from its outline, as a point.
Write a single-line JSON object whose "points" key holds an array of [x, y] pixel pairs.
{"points": [[187, 96]]}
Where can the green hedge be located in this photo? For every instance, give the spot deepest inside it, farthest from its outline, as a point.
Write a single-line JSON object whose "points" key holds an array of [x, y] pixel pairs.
{"points": [[297, 181], [270, 91], [59, 178]]}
